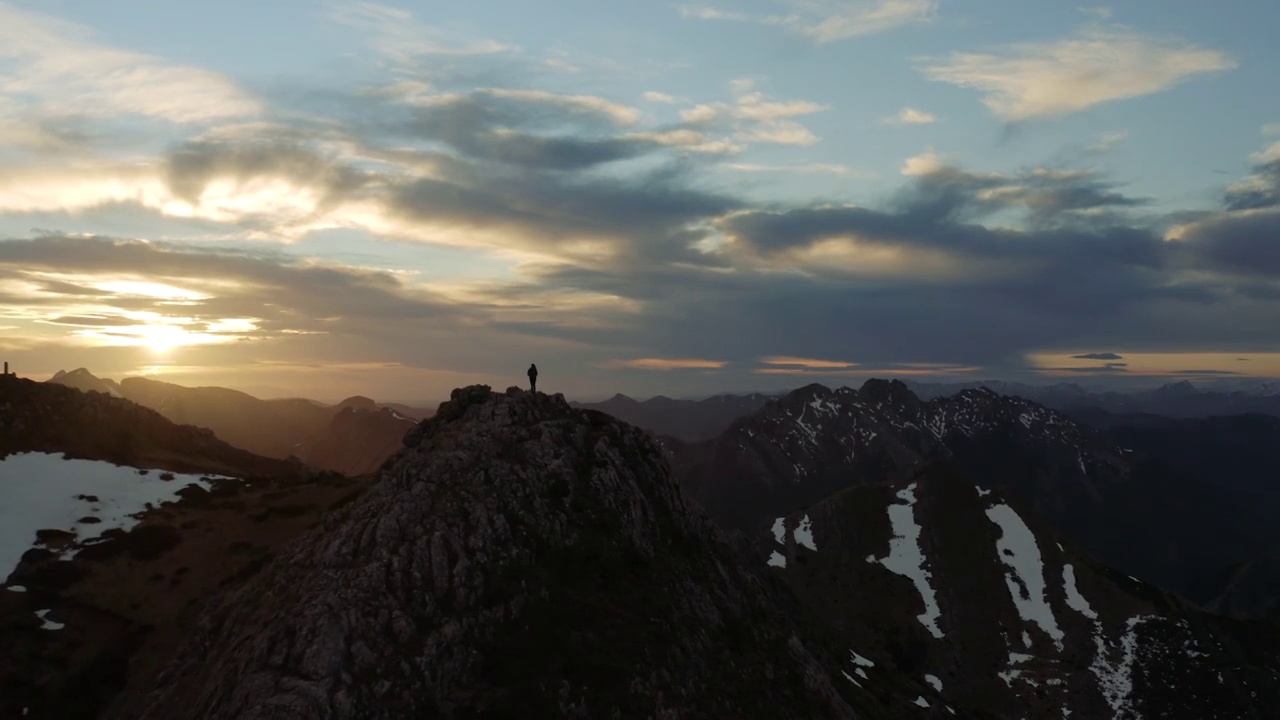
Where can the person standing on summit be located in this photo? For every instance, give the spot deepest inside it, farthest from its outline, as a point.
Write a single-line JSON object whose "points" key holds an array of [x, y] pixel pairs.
{"points": [[533, 378]]}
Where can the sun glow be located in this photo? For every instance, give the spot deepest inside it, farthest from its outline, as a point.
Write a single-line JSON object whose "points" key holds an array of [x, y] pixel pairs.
{"points": [[163, 334]]}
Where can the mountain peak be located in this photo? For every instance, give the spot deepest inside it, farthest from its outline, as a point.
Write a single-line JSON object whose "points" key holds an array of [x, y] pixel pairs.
{"points": [[358, 402], [511, 526], [1183, 387], [886, 392]]}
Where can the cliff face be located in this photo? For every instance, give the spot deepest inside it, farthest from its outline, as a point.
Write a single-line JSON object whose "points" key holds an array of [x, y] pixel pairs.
{"points": [[518, 558]]}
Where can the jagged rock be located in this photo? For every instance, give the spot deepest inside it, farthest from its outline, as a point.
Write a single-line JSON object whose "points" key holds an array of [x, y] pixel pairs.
{"points": [[518, 558]]}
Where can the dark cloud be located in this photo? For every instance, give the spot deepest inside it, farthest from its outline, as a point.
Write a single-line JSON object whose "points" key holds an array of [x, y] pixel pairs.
{"points": [[1048, 197], [1242, 242], [989, 267], [90, 321], [1108, 369], [283, 292], [480, 126], [1205, 372], [191, 167], [1260, 191], [1098, 356]]}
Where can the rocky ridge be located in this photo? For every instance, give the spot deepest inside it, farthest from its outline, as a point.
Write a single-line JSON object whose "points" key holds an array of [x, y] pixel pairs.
{"points": [[517, 558]]}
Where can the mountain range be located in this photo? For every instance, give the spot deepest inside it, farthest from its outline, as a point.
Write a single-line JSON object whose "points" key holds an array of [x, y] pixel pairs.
{"points": [[352, 437], [1180, 399], [685, 419], [835, 553]]}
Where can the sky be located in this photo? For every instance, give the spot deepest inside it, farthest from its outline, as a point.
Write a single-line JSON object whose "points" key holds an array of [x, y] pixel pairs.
{"points": [[325, 199]]}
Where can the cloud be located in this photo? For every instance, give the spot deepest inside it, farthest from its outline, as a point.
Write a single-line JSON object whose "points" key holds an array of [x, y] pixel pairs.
{"points": [[1047, 196], [830, 20], [926, 163], [621, 114], [753, 117], [806, 169], [654, 96], [61, 71], [397, 36], [1271, 129], [911, 116], [120, 292], [1099, 12], [669, 364], [824, 21], [1108, 141], [591, 237], [1240, 239], [1098, 64], [1098, 356], [807, 363], [1205, 372]]}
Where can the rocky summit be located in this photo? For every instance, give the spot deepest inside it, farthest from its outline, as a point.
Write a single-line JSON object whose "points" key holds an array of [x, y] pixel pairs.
{"points": [[517, 558]]}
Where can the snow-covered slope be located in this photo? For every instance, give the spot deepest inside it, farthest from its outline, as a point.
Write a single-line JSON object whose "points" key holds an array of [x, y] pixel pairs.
{"points": [[949, 593], [84, 498]]}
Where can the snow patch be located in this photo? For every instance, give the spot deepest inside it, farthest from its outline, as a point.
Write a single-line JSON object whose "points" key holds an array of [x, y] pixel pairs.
{"points": [[935, 681], [813, 436], [907, 559], [48, 624], [804, 534], [859, 660], [982, 493], [777, 560], [1115, 681], [922, 702], [1017, 548], [861, 673], [40, 490], [16, 588], [1075, 600], [849, 677], [779, 530]]}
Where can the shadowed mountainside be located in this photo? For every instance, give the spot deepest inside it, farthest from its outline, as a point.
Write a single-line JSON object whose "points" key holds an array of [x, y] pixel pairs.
{"points": [[352, 437], [48, 417]]}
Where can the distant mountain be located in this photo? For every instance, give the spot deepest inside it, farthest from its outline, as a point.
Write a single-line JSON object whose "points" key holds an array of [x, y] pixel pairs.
{"points": [[951, 594], [689, 420], [1127, 509], [82, 379], [412, 412], [356, 440], [273, 428], [318, 434], [1181, 399], [52, 418]]}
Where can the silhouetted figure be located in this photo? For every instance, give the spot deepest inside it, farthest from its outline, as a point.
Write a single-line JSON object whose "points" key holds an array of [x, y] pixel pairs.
{"points": [[533, 378]]}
